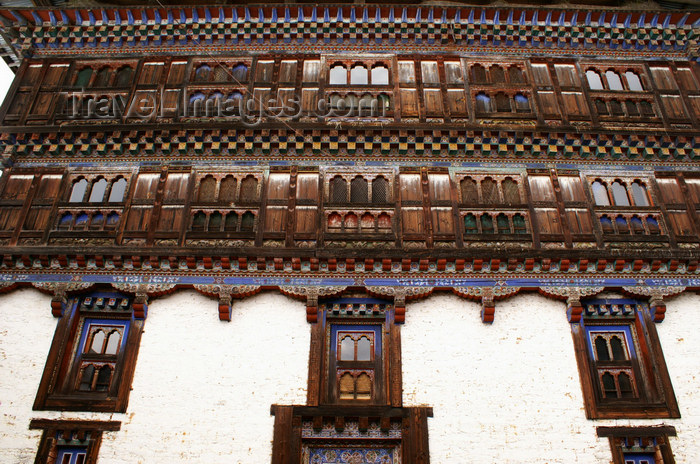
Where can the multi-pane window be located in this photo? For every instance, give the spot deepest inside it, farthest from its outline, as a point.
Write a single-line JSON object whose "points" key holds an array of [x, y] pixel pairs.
{"points": [[356, 360], [93, 357], [70, 441], [639, 445], [617, 349]]}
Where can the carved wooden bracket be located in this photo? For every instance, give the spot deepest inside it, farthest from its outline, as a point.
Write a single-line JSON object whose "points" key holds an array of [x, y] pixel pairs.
{"points": [[225, 295], [401, 295], [656, 295], [59, 291], [140, 306], [488, 306]]}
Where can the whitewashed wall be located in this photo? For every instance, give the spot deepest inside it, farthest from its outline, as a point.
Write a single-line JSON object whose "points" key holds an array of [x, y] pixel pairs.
{"points": [[510, 392], [202, 389], [507, 392]]}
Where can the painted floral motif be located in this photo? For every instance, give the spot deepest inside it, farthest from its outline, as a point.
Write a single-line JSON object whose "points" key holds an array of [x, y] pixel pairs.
{"points": [[351, 456]]}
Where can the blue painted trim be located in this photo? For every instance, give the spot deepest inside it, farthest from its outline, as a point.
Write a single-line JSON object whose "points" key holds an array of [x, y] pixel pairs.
{"points": [[115, 322]]}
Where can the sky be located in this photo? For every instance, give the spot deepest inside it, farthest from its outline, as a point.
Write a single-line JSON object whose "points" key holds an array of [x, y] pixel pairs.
{"points": [[6, 77]]}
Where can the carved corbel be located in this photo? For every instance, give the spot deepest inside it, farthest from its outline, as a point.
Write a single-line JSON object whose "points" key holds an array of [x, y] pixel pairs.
{"points": [[140, 305], [59, 291], [657, 305], [225, 307], [312, 306], [574, 308], [399, 306], [488, 306]]}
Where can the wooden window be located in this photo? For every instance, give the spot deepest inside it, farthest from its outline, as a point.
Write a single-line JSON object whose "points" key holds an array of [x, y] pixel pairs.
{"points": [[601, 107], [380, 191], [615, 108], [498, 75], [541, 74], [359, 190], [70, 441], [489, 191], [663, 78], [453, 72], [619, 194], [338, 190], [124, 77], [600, 193], [407, 72], [511, 192], [470, 191], [633, 82], [614, 81], [483, 103], [567, 76], [502, 103], [639, 193], [515, 75], [639, 445], [338, 75], [594, 80], [77, 193], [249, 190], [686, 79], [522, 104], [429, 72], [103, 77], [359, 75], [380, 75], [93, 355], [83, 77], [478, 74], [617, 348]]}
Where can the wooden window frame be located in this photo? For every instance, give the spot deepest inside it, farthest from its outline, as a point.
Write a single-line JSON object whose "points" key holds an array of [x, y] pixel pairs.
{"points": [[59, 386], [55, 432], [654, 392], [656, 438]]}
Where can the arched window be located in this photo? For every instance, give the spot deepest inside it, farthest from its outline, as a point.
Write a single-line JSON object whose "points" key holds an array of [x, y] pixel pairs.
{"points": [[77, 194], [350, 221], [112, 220], [103, 77], [207, 190], [199, 221], [626, 391], [637, 225], [384, 221], [503, 224], [502, 103], [98, 342], [615, 107], [653, 226], [336, 102], [601, 107], [511, 194], [522, 104], [618, 349], [380, 75], [86, 378], [470, 224], [227, 190], [486, 224], [346, 387], [215, 220], [231, 223], [113, 340], [338, 75], [478, 74], [631, 108], [249, 190], [97, 193], [607, 225], [470, 192], [202, 73], [639, 194], [600, 194], [483, 103], [367, 221], [220, 74], [81, 220], [247, 222], [66, 221], [104, 376], [363, 390], [335, 221], [116, 194], [338, 190], [498, 76], [239, 73], [601, 349], [196, 104], [359, 75], [515, 75], [358, 190], [633, 82], [619, 194], [83, 78], [233, 103], [622, 226], [519, 224], [97, 221], [383, 103], [124, 77], [647, 109], [489, 191], [380, 191], [368, 105], [614, 82], [594, 81]]}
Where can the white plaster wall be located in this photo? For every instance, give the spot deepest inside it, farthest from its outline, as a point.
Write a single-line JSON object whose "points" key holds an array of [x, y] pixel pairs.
{"points": [[507, 392], [510, 392], [26, 332], [202, 388]]}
